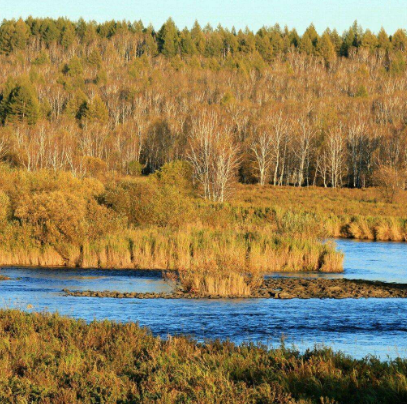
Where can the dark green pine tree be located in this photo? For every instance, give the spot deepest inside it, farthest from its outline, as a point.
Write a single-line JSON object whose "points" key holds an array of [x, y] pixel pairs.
{"points": [[187, 43], [168, 40], [21, 35], [199, 38], [263, 45], [20, 102], [7, 33], [67, 36], [49, 31]]}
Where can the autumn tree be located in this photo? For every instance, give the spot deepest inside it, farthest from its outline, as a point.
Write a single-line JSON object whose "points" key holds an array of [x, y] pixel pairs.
{"points": [[213, 155], [96, 110], [261, 147]]}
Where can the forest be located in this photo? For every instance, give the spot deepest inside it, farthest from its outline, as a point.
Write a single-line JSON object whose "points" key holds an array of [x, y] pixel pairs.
{"points": [[267, 107]]}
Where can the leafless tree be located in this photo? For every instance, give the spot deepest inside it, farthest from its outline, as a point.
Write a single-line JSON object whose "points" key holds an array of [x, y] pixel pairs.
{"points": [[213, 155]]}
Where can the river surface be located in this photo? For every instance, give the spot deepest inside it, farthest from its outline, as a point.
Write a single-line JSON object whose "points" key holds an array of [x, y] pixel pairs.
{"points": [[358, 327]]}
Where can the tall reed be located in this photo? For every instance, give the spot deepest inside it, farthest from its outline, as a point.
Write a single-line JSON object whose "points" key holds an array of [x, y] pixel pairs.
{"points": [[191, 248]]}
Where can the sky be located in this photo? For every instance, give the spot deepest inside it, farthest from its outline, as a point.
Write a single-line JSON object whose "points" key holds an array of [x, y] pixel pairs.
{"points": [[339, 14]]}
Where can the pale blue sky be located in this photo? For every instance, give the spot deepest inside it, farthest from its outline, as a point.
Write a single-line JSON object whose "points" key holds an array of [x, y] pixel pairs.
{"points": [[391, 14]]}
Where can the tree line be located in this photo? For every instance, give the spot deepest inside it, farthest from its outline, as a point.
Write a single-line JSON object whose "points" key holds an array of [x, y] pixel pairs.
{"points": [[136, 39], [270, 107]]}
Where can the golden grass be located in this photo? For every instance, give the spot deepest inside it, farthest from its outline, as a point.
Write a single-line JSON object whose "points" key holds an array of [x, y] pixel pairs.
{"points": [[349, 213], [216, 283], [185, 249]]}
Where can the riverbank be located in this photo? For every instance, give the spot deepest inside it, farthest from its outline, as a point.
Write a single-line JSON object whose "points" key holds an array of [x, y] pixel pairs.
{"points": [[48, 358], [154, 222], [277, 288]]}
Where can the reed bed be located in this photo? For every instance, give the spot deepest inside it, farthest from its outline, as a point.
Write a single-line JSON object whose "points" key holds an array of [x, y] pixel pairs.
{"points": [[218, 283], [186, 249], [47, 358], [376, 229], [53, 219]]}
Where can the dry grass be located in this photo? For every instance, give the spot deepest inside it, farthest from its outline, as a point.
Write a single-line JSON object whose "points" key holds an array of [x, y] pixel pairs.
{"points": [[338, 202], [186, 249], [349, 213], [216, 283]]}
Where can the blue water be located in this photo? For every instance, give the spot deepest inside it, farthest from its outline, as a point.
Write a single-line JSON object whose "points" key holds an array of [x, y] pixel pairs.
{"points": [[358, 327]]}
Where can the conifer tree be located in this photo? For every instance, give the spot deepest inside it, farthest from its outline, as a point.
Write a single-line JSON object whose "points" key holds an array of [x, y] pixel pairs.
{"points": [[150, 44], [347, 43], [214, 45], [198, 37], [94, 58], [20, 102], [96, 110], [168, 40], [312, 34], [399, 40], [383, 40], [74, 67], [263, 45], [294, 38], [369, 40], [336, 40], [306, 44], [21, 35], [187, 43], [67, 36], [77, 105], [326, 49], [49, 31], [7, 32]]}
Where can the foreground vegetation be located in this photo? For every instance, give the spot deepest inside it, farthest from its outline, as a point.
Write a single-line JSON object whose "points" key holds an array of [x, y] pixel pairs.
{"points": [[48, 358]]}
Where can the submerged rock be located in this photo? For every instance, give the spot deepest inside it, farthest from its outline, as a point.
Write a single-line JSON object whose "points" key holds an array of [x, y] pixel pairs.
{"points": [[279, 288]]}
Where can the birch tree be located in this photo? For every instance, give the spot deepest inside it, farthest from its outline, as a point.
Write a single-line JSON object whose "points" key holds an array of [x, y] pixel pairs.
{"points": [[213, 155]]}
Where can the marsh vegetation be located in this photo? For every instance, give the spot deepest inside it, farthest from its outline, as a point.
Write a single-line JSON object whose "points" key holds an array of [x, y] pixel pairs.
{"points": [[48, 358]]}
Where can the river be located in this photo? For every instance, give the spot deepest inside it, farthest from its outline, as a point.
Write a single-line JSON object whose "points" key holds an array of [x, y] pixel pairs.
{"points": [[358, 327]]}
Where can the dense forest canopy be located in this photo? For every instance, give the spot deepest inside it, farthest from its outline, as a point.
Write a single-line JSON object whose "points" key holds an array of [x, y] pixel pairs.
{"points": [[273, 106]]}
